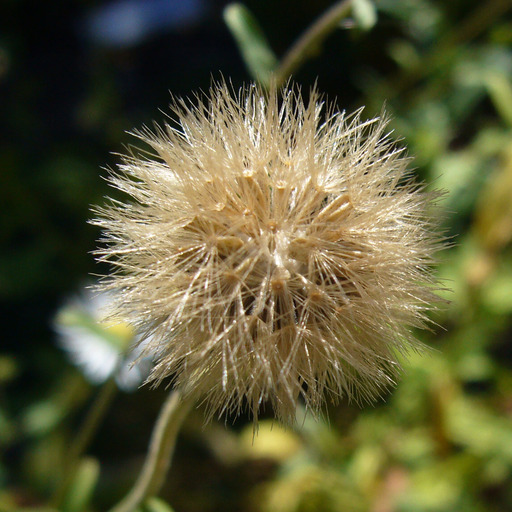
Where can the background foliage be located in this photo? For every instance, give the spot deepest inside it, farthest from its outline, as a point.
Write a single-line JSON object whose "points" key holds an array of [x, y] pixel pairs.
{"points": [[74, 76]]}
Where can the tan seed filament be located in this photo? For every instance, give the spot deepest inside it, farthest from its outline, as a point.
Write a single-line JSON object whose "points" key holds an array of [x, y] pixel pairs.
{"points": [[273, 253]]}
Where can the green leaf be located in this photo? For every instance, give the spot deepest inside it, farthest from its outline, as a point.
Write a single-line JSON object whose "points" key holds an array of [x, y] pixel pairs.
{"points": [[479, 429], [157, 505], [500, 91], [252, 43], [8, 369], [83, 484], [40, 418], [497, 291], [365, 13]]}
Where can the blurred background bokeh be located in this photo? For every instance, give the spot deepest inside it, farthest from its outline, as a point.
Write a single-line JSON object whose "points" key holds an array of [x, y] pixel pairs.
{"points": [[74, 77]]}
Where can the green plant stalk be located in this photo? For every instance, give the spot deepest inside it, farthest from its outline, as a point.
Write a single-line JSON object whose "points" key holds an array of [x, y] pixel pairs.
{"points": [[310, 40], [163, 440], [83, 438]]}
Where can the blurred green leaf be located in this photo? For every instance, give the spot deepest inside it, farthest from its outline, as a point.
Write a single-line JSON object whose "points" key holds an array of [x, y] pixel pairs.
{"points": [[367, 463], [497, 292], [491, 140], [252, 43], [43, 463], [155, 504], [427, 128], [404, 53], [460, 174], [415, 447], [472, 425], [69, 393], [311, 488], [493, 213], [420, 17], [500, 91], [319, 436], [475, 366], [81, 488], [270, 442], [8, 369], [42, 417], [365, 13], [438, 487]]}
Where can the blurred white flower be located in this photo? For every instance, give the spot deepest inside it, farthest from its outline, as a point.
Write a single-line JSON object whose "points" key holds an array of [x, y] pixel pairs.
{"points": [[101, 348]]}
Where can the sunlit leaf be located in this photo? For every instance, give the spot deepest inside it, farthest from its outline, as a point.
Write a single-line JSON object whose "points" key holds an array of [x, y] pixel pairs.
{"points": [[41, 417], [84, 482], [252, 43], [365, 13], [471, 425], [157, 505]]}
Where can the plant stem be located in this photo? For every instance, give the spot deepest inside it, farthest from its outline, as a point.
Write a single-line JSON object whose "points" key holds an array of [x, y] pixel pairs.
{"points": [[159, 454], [86, 433], [313, 37]]}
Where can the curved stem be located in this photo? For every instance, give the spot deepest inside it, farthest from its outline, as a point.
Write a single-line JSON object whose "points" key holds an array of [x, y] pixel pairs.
{"points": [[161, 446], [86, 433], [311, 39]]}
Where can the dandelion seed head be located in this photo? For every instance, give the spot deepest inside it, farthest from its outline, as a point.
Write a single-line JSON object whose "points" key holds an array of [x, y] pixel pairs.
{"points": [[273, 249]]}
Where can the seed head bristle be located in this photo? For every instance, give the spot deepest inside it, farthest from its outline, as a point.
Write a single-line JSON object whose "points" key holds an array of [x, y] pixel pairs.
{"points": [[271, 252]]}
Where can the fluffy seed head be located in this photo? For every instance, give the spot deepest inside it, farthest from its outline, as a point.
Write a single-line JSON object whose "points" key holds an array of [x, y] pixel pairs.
{"points": [[271, 251]]}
